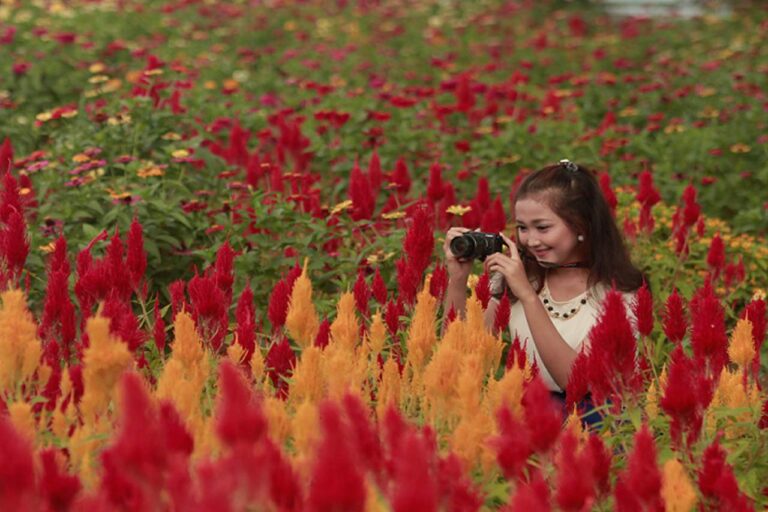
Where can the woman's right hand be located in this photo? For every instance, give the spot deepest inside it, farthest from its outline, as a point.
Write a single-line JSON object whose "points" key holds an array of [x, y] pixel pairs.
{"points": [[458, 269]]}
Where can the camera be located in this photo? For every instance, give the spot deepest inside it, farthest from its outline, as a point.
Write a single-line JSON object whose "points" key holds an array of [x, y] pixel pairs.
{"points": [[476, 245]]}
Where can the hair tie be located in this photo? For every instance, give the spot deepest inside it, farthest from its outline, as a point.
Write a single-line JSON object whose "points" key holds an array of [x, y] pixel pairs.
{"points": [[570, 166]]}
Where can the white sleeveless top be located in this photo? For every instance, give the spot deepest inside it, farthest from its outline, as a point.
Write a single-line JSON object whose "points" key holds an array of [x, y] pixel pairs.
{"points": [[573, 326]]}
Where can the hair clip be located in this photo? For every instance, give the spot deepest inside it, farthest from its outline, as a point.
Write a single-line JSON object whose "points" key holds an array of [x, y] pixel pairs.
{"points": [[570, 166]]}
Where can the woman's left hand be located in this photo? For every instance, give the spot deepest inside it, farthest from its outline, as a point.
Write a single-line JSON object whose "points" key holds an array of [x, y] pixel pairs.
{"points": [[512, 268]]}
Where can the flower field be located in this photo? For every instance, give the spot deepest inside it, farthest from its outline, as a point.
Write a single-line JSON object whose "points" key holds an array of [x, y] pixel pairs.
{"points": [[220, 233]]}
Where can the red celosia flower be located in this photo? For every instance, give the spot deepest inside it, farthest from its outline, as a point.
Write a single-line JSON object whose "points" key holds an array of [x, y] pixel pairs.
{"points": [[408, 280], [691, 209], [513, 444], [392, 313], [280, 362], [6, 156], [414, 486], [465, 98], [763, 423], [483, 289], [209, 309], [503, 311], [10, 202], [575, 489], [245, 314], [177, 292], [365, 435], [531, 496], [682, 399], [362, 293], [379, 288], [755, 312], [337, 481], [718, 483], [375, 175], [734, 272], [136, 258], [454, 488], [277, 310], [675, 322], [643, 309], [435, 186], [58, 488], [17, 475], [543, 418], [240, 420], [400, 179], [647, 196], [158, 330], [642, 480], [119, 275], [323, 334], [223, 270], [601, 458], [439, 282], [419, 240], [57, 325], [708, 335], [578, 380], [716, 256], [15, 246], [494, 219], [122, 322], [516, 355], [611, 365], [361, 194], [136, 466]]}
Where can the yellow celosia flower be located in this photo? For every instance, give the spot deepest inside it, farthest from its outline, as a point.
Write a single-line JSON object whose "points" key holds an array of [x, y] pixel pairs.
{"points": [[19, 348], [741, 349], [236, 353], [676, 488], [84, 447], [257, 366], [421, 333], [573, 423], [104, 361], [301, 321], [345, 330], [439, 379], [23, 419], [307, 383], [344, 371], [508, 391]]}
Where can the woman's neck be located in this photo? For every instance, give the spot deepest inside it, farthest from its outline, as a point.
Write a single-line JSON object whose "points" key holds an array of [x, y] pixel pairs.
{"points": [[568, 280]]}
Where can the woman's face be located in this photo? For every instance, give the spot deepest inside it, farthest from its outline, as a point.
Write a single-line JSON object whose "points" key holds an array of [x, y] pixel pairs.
{"points": [[544, 234]]}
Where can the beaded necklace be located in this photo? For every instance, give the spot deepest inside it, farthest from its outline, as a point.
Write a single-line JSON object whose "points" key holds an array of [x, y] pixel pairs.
{"points": [[563, 309]]}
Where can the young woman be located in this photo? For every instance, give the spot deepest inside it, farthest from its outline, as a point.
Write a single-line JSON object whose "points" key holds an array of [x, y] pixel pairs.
{"points": [[569, 252]]}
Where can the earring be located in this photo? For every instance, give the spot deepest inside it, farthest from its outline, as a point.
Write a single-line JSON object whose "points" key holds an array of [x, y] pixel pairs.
{"points": [[580, 238]]}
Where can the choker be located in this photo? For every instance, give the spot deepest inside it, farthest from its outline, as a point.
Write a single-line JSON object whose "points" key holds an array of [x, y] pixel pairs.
{"points": [[577, 264]]}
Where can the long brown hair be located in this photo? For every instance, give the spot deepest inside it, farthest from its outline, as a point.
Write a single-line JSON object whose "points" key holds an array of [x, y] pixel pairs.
{"points": [[573, 193]]}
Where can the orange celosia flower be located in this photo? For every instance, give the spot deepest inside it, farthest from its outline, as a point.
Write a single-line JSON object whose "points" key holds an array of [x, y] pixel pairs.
{"points": [[508, 391], [741, 349], [104, 361], [307, 383], [345, 330], [652, 401], [421, 334], [23, 419], [84, 447], [677, 491], [302, 321], [278, 420], [377, 334], [305, 432], [19, 348], [389, 388], [439, 379]]}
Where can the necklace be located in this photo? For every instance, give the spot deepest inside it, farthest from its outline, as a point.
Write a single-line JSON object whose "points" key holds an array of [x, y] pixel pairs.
{"points": [[563, 309]]}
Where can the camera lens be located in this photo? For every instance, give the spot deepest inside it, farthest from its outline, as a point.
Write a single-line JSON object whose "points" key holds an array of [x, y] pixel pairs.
{"points": [[462, 246]]}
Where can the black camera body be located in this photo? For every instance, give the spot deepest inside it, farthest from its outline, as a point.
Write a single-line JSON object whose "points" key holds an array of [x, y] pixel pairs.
{"points": [[476, 245]]}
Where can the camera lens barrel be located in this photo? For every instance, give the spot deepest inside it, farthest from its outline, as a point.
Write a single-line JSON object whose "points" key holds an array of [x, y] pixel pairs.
{"points": [[476, 245]]}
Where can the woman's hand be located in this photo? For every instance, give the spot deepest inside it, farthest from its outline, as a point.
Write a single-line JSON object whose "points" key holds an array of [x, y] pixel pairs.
{"points": [[458, 269], [512, 268]]}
